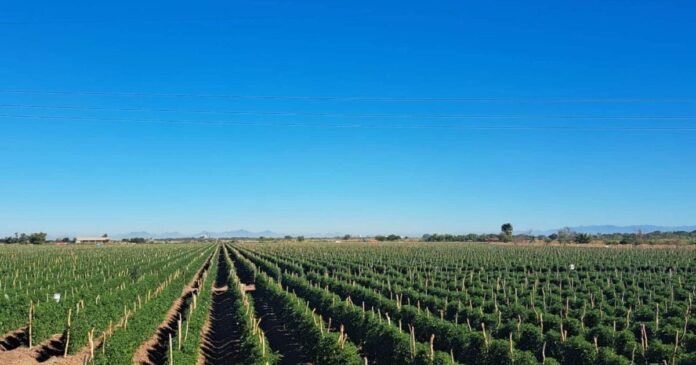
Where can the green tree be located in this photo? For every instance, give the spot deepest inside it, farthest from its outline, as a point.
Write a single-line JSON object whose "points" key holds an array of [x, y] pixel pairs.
{"points": [[583, 238], [566, 235], [506, 232], [37, 238]]}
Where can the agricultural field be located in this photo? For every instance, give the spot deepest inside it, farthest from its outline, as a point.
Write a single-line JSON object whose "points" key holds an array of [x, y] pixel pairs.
{"points": [[346, 303]]}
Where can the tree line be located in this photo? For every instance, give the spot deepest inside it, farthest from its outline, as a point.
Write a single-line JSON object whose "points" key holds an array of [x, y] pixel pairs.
{"points": [[567, 235], [36, 238]]}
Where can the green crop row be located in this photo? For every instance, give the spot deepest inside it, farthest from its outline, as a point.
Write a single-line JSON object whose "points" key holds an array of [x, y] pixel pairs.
{"points": [[120, 346], [75, 273], [324, 347], [112, 305], [253, 348], [196, 316], [464, 294], [381, 341]]}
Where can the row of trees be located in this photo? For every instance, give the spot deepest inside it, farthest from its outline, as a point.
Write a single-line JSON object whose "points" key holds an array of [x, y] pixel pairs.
{"points": [[134, 240], [32, 238], [505, 235], [567, 235], [562, 237], [656, 237], [471, 237], [391, 237]]}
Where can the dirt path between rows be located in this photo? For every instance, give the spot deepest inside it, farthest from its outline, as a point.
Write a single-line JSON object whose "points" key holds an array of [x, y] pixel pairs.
{"points": [[221, 345], [280, 339]]}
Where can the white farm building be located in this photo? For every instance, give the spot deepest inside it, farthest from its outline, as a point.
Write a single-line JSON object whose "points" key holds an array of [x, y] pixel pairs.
{"points": [[91, 239]]}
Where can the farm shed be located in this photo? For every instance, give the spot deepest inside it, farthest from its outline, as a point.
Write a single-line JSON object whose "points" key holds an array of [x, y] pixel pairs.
{"points": [[91, 239]]}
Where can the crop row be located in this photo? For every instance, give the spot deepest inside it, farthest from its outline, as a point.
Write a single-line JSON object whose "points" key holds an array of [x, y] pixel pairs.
{"points": [[379, 338], [318, 342], [122, 341], [552, 316], [74, 274]]}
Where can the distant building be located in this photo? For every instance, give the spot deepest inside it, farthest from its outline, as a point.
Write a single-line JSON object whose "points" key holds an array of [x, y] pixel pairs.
{"points": [[91, 239]]}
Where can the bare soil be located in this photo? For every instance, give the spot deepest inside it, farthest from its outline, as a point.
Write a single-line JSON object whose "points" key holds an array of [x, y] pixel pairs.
{"points": [[48, 352], [221, 343], [279, 337], [14, 339]]}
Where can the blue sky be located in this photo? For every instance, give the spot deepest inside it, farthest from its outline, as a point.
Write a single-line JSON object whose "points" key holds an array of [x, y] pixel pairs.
{"points": [[140, 116]]}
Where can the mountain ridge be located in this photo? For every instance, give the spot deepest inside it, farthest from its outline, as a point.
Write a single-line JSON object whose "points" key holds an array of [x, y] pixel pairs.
{"points": [[611, 229], [243, 233], [239, 233]]}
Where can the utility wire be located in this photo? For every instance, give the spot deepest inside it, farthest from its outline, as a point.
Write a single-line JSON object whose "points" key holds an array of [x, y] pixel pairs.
{"points": [[652, 100], [354, 115], [112, 20], [351, 125]]}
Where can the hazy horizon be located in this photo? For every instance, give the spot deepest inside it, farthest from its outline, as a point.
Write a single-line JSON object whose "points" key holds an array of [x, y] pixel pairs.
{"points": [[241, 232]]}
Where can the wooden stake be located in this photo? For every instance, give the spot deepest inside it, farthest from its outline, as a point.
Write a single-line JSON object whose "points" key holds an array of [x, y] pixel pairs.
{"points": [[179, 332], [413, 341], [432, 347], [263, 345], [543, 353], [31, 320], [171, 351], [91, 343], [67, 339]]}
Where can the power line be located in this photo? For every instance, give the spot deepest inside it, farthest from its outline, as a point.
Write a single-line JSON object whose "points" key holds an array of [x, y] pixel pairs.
{"points": [[358, 98], [120, 20], [352, 125], [355, 115]]}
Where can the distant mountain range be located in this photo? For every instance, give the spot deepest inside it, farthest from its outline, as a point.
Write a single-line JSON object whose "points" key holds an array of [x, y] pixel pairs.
{"points": [[609, 229], [240, 233]]}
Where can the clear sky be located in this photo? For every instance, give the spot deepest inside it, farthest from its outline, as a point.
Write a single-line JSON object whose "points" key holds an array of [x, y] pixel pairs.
{"points": [[379, 116]]}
